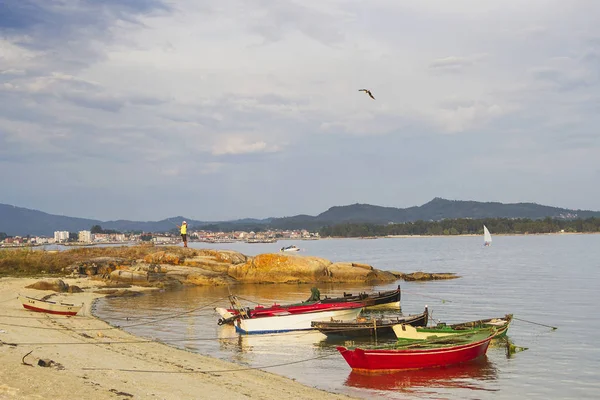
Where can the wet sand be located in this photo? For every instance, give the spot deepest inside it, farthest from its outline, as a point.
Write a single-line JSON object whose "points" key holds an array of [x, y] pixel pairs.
{"points": [[93, 360]]}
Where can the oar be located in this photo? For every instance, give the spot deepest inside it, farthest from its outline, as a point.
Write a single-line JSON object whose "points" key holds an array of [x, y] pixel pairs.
{"points": [[536, 323]]}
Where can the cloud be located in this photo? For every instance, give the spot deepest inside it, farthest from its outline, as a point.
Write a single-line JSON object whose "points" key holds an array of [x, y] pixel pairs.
{"points": [[240, 145], [455, 64], [127, 96]]}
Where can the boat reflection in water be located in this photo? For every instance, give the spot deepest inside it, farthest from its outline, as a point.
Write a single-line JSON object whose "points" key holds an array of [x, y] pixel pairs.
{"points": [[470, 375], [284, 343]]}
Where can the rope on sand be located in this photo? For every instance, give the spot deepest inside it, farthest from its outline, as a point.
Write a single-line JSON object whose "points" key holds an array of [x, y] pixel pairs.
{"points": [[208, 372]]}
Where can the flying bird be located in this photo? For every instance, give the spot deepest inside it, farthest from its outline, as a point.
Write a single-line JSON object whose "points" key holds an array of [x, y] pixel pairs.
{"points": [[367, 91]]}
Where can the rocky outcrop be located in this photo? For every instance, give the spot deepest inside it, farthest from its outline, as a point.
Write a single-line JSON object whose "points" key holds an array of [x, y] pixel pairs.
{"points": [[101, 266], [353, 272], [216, 267], [283, 268], [425, 276]]}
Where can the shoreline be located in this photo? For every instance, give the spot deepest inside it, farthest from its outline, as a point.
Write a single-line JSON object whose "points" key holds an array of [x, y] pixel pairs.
{"points": [[93, 359], [100, 244]]}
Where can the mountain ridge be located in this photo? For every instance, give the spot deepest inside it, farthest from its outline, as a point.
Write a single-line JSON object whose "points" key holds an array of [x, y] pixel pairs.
{"points": [[23, 221]]}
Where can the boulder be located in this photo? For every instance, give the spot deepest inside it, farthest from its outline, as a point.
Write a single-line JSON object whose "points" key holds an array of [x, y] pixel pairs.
{"points": [[132, 277], [207, 262], [224, 256], [353, 272], [280, 268], [426, 276], [162, 257], [56, 285], [75, 289]]}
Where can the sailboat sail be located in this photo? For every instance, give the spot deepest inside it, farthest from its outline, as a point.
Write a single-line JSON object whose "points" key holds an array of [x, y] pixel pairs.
{"points": [[487, 238]]}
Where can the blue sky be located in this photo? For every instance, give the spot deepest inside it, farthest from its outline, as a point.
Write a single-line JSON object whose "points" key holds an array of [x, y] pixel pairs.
{"points": [[133, 109]]}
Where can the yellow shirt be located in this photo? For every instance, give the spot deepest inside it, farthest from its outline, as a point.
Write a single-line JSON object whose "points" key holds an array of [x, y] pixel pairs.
{"points": [[184, 229]]}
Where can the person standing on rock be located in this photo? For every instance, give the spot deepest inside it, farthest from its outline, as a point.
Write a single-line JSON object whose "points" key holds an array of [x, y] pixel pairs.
{"points": [[183, 229]]}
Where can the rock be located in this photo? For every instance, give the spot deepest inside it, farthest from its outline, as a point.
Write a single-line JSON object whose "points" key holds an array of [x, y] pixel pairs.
{"points": [[207, 279], [280, 268], [207, 262], [162, 257], [45, 362], [118, 293], [132, 277], [425, 276], [57, 285], [353, 272], [365, 266], [75, 289], [224, 256]]}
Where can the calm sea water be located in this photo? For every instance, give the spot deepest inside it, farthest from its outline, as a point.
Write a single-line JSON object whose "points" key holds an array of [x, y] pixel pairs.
{"points": [[551, 280]]}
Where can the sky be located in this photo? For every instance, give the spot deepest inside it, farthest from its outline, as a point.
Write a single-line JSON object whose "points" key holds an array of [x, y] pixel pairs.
{"points": [[218, 110]]}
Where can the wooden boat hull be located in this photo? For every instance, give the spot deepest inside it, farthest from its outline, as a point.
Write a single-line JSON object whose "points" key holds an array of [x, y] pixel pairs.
{"points": [[391, 360], [407, 332], [292, 322], [49, 307], [379, 327], [381, 300], [388, 300]]}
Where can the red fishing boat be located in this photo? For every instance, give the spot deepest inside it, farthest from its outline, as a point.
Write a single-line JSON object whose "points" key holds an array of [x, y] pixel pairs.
{"points": [[404, 355], [378, 300], [232, 314]]}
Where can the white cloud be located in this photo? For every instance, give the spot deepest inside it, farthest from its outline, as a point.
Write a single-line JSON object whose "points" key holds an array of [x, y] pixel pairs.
{"points": [[238, 86], [241, 145]]}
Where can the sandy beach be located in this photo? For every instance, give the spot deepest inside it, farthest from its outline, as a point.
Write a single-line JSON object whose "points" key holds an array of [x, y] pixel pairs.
{"points": [[93, 360]]}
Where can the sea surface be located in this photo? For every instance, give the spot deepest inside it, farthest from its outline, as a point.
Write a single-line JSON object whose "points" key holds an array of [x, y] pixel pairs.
{"points": [[547, 279]]}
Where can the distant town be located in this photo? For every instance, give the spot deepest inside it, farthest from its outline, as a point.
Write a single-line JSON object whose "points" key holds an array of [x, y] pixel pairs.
{"points": [[96, 236]]}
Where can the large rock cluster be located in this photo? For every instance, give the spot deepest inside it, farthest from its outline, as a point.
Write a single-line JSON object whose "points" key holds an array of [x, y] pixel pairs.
{"points": [[225, 267]]}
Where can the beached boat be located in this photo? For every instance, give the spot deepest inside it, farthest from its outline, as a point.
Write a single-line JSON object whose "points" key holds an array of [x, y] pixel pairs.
{"points": [[438, 352], [369, 326], [286, 322], [407, 332], [49, 307], [379, 300], [487, 237]]}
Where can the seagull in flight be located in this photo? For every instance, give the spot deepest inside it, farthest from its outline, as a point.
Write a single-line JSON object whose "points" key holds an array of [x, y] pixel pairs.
{"points": [[367, 91]]}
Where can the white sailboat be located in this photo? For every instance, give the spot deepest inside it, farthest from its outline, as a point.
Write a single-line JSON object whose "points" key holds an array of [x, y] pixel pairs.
{"points": [[487, 238]]}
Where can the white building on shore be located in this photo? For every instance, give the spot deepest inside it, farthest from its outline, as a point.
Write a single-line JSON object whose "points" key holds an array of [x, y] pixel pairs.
{"points": [[61, 236], [85, 236]]}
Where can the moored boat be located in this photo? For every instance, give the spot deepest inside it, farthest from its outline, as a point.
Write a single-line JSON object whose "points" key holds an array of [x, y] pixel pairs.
{"points": [[369, 326], [407, 332], [49, 307], [290, 248], [286, 322], [438, 352], [379, 300], [386, 300]]}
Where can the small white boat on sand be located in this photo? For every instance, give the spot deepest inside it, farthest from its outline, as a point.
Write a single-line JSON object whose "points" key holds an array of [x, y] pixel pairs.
{"points": [[49, 307]]}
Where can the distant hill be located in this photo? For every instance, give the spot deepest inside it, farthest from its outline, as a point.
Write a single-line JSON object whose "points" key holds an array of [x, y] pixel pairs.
{"points": [[435, 210], [23, 221]]}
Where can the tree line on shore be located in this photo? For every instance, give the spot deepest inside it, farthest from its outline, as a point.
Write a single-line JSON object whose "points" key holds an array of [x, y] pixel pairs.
{"points": [[464, 226]]}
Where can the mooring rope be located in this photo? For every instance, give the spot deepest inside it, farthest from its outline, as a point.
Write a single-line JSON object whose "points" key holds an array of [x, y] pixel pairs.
{"points": [[209, 372], [536, 323], [112, 327]]}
